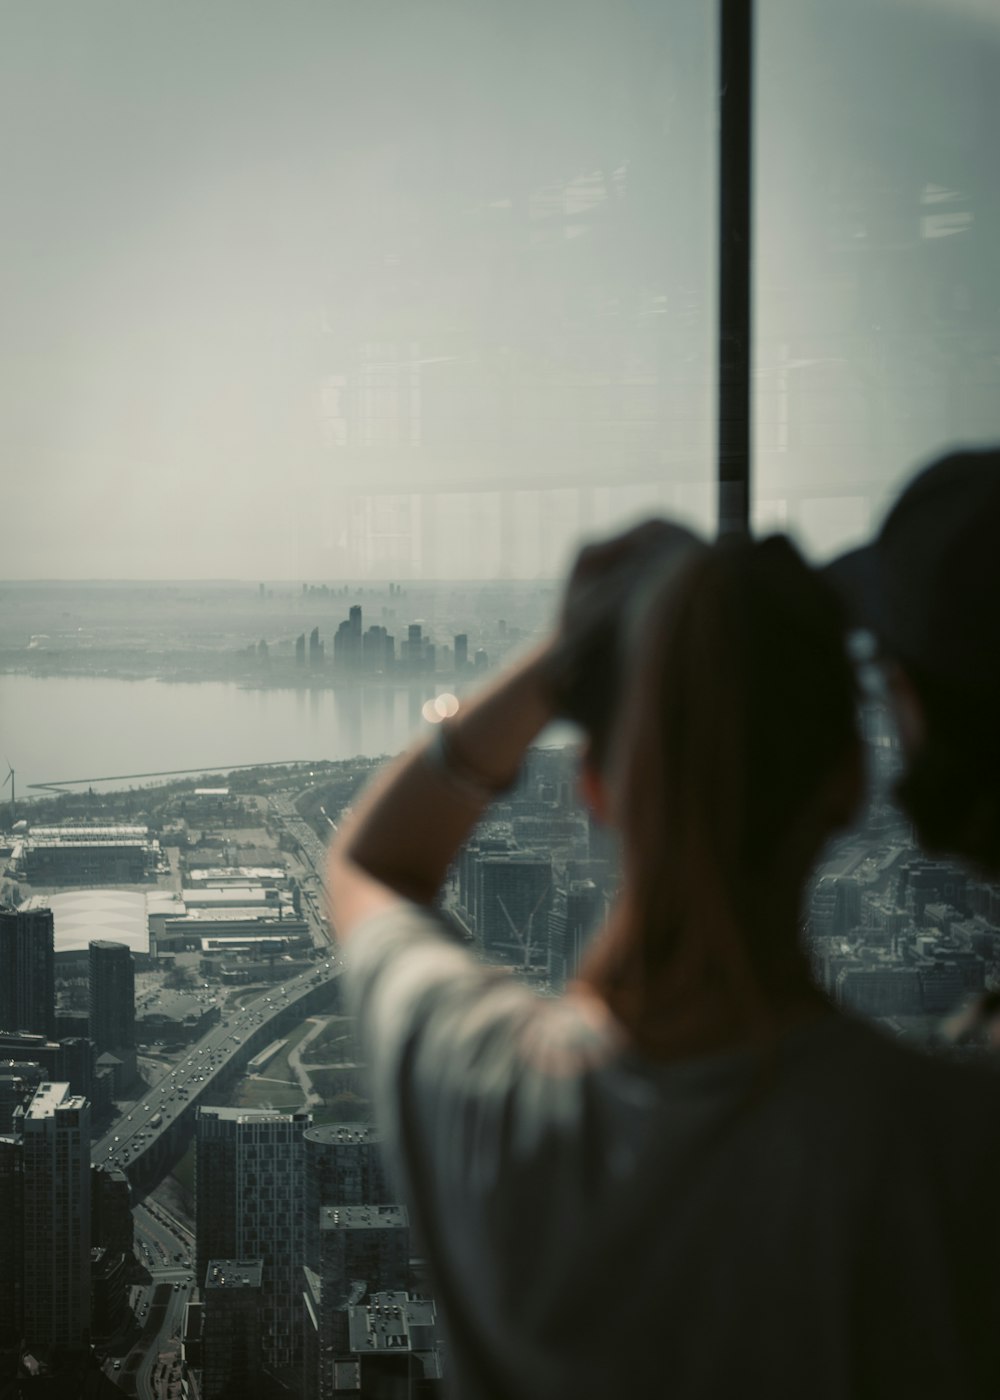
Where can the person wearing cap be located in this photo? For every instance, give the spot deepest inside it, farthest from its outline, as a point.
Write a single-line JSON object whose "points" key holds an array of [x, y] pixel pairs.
{"points": [[928, 588]]}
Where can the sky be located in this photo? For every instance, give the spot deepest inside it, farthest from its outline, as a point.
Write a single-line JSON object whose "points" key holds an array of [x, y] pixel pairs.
{"points": [[327, 289]]}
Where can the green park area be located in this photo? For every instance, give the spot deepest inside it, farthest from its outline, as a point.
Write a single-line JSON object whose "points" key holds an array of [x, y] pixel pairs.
{"points": [[275, 1085], [333, 1046], [277, 1088]]}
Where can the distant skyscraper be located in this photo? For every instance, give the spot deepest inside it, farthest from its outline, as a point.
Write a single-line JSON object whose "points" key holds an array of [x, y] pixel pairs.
{"points": [[27, 972], [112, 996], [348, 643], [461, 651], [55, 1139], [376, 650], [249, 1204], [232, 1300]]}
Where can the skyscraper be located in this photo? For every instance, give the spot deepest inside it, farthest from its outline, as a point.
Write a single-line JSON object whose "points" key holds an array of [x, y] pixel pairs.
{"points": [[112, 996], [343, 1167], [367, 1245], [249, 1204], [27, 972], [55, 1142], [11, 1241], [231, 1330], [575, 912], [513, 895], [363, 1250]]}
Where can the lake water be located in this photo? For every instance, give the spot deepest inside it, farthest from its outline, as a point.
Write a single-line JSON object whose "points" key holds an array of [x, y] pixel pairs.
{"points": [[60, 728]]}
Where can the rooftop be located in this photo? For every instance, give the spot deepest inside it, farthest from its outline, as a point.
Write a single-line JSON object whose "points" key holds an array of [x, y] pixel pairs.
{"points": [[363, 1218], [241, 874], [81, 917], [48, 1097], [90, 833], [249, 1115], [334, 1133], [262, 912], [234, 1273], [392, 1322], [234, 894]]}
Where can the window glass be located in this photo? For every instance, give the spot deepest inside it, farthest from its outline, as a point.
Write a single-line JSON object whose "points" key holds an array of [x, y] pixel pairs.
{"points": [[877, 253], [877, 347], [326, 290], [332, 301]]}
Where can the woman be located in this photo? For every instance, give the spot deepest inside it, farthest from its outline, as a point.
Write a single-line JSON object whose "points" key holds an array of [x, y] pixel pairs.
{"points": [[689, 1176]]}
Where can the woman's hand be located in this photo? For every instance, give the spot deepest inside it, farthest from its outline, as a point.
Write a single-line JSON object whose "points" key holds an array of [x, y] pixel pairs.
{"points": [[584, 660], [405, 829]]}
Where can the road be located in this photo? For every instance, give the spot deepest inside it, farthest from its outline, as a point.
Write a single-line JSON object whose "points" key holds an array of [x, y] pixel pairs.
{"points": [[140, 1366], [149, 1358], [311, 853], [224, 1049], [309, 1094]]}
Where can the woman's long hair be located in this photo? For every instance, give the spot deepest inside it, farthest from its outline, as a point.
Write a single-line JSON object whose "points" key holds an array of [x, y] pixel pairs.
{"points": [[736, 757]]}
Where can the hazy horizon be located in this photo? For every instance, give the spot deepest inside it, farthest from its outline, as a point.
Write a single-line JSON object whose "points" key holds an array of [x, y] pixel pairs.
{"points": [[329, 292]]}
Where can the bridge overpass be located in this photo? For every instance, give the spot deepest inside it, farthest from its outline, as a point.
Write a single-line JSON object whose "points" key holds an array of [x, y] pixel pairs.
{"points": [[147, 1143]]}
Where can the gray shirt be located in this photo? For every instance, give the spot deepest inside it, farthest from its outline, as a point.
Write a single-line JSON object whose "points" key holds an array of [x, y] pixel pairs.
{"points": [[819, 1221]]}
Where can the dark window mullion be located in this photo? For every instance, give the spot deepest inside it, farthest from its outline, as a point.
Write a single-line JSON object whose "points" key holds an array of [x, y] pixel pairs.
{"points": [[734, 349]]}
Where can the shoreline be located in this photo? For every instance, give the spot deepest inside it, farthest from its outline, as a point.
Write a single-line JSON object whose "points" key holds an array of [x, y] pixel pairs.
{"points": [[290, 678]]}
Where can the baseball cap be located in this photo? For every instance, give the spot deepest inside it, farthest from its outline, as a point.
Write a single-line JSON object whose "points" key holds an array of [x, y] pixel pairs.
{"points": [[928, 585]]}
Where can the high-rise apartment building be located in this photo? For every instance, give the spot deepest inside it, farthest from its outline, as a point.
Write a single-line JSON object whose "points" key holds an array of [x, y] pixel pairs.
{"points": [[27, 972], [367, 1245], [11, 1241], [249, 1191], [394, 1341], [232, 1301], [513, 895], [343, 1167], [363, 1250], [54, 1134], [575, 912], [112, 996]]}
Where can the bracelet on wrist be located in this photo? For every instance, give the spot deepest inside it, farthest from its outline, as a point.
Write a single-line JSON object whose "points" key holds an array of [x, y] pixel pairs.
{"points": [[441, 755]]}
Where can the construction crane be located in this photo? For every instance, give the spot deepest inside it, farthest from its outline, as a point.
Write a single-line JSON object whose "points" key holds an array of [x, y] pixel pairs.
{"points": [[524, 938], [10, 779]]}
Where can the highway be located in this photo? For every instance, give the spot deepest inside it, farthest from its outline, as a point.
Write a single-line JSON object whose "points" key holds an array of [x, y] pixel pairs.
{"points": [[149, 1357], [146, 1142], [136, 1142]]}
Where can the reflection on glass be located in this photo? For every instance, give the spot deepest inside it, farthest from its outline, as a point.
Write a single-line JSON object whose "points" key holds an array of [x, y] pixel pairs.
{"points": [[878, 253], [387, 291]]}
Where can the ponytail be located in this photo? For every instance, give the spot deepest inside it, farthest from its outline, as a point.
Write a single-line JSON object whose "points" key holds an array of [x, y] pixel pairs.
{"points": [[740, 717]]}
